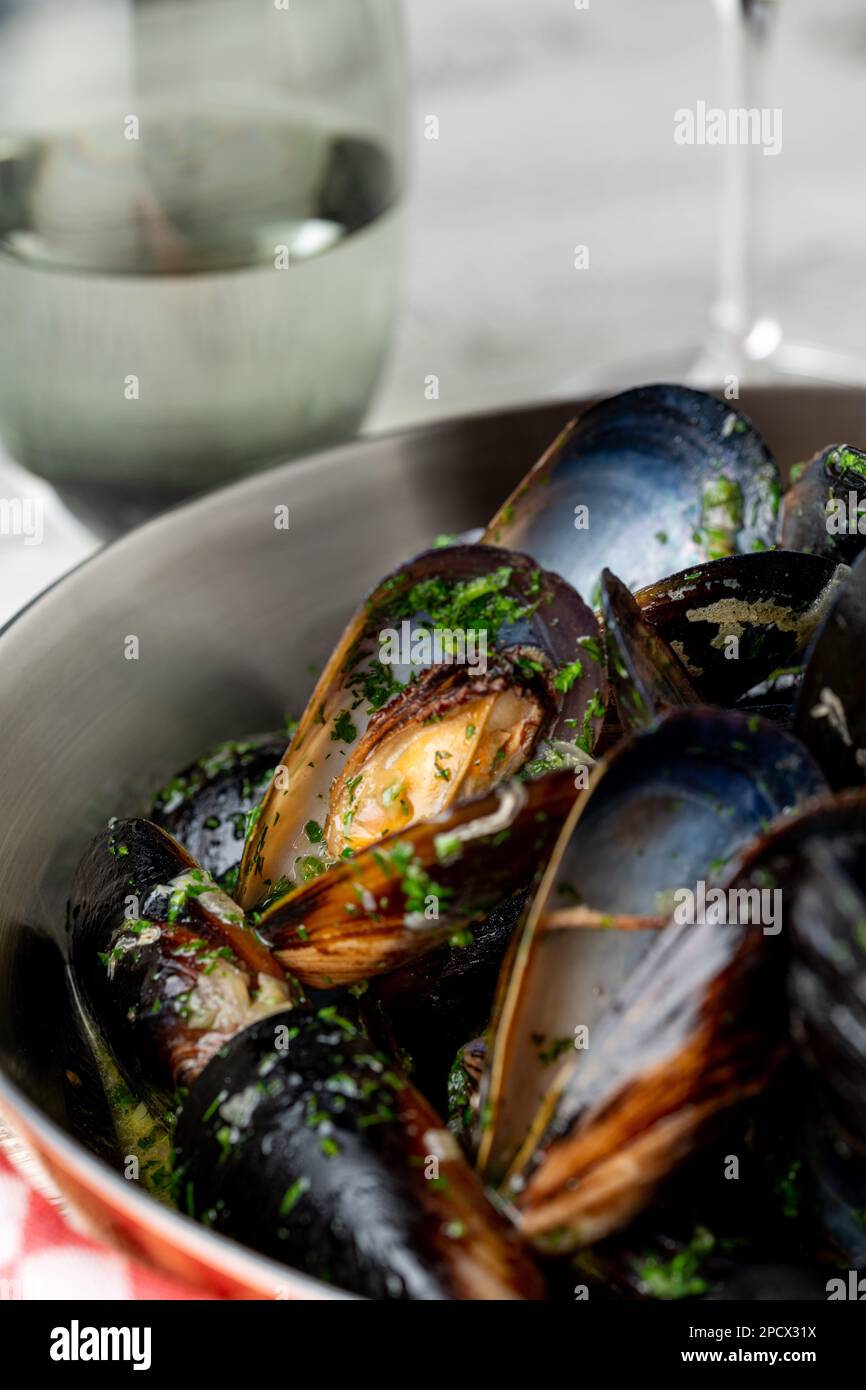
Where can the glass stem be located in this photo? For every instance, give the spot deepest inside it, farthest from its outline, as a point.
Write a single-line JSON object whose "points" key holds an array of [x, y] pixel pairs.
{"points": [[745, 26]]}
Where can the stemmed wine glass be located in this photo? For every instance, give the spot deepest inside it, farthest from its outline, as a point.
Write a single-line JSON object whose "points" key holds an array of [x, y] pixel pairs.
{"points": [[741, 341]]}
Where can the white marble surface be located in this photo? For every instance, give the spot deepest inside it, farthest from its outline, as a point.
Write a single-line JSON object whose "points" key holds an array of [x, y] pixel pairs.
{"points": [[556, 128]]}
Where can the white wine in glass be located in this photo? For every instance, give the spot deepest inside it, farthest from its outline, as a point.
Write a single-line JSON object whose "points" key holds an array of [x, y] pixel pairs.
{"points": [[200, 235]]}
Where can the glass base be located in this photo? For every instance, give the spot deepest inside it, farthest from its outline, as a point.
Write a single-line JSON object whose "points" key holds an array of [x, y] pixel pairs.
{"points": [[763, 354]]}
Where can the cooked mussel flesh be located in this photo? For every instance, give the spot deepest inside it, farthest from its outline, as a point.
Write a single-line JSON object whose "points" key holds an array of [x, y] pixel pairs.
{"points": [[463, 667]]}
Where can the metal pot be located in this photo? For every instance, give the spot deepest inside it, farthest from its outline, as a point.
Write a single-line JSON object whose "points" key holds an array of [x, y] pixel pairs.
{"points": [[229, 612]]}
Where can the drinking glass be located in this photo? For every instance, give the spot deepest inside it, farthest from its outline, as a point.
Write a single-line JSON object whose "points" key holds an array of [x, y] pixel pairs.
{"points": [[200, 236]]}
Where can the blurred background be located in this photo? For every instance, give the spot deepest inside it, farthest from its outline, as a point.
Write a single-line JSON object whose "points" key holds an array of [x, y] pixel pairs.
{"points": [[556, 129], [510, 133]]}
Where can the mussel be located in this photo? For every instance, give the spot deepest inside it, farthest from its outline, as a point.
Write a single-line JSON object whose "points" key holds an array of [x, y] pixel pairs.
{"points": [[399, 899], [734, 622], [509, 830], [425, 1011], [324, 1156], [644, 674], [463, 668], [163, 960], [577, 1135], [645, 482], [294, 1133], [206, 805], [836, 1172], [821, 858], [711, 1235], [814, 863], [824, 511]]}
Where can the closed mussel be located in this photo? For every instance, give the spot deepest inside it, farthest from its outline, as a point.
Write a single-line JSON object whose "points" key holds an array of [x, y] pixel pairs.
{"points": [[321, 1154], [206, 805], [162, 960]]}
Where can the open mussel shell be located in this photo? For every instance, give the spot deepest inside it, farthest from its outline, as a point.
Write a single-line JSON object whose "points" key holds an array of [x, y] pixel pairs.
{"points": [[404, 896], [735, 621], [691, 1036], [643, 672], [580, 999], [830, 716], [163, 962], [824, 511], [464, 666], [320, 1154], [819, 1176], [206, 805], [652, 475]]}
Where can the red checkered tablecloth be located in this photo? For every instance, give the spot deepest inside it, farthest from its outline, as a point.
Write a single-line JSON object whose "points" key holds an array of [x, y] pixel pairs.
{"points": [[45, 1254]]}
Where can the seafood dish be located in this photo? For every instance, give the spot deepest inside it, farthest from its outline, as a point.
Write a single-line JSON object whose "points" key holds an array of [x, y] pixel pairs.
{"points": [[529, 961]]}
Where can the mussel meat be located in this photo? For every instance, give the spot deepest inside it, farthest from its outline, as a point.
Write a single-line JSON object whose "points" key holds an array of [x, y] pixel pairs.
{"points": [[463, 667]]}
